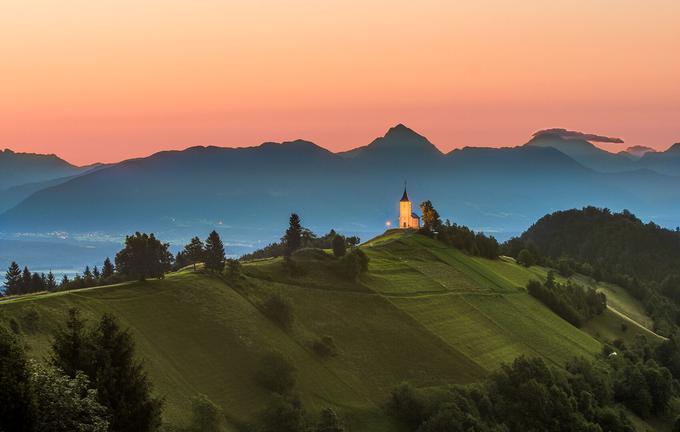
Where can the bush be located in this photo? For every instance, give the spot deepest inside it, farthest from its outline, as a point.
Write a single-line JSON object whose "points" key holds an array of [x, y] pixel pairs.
{"points": [[206, 416], [354, 263], [275, 373], [284, 414], [325, 347], [279, 310]]}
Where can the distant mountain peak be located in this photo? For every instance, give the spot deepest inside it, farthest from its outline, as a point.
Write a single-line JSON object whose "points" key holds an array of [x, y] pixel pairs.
{"points": [[399, 141], [675, 148]]}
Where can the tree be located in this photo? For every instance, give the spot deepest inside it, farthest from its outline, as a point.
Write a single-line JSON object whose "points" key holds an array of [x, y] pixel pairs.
{"points": [[25, 281], [51, 282], [107, 269], [431, 220], [354, 263], [18, 408], [293, 237], [353, 241], [95, 273], [339, 246], [88, 278], [70, 345], [214, 252], [194, 251], [526, 258], [284, 414], [64, 282], [279, 310], [36, 284], [66, 404], [143, 257], [121, 381], [275, 373], [107, 356], [13, 279]]}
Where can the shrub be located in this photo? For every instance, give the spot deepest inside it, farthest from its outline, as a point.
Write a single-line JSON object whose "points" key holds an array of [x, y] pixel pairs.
{"points": [[275, 373], [206, 416], [325, 347], [284, 414], [354, 263], [279, 310]]}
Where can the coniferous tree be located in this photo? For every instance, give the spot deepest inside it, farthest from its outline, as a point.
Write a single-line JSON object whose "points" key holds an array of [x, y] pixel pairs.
{"points": [[25, 280], [64, 282], [36, 284], [293, 237], [107, 269], [107, 356], [214, 252], [51, 282], [95, 273], [70, 350], [87, 276], [18, 409], [194, 251], [121, 381], [13, 279]]}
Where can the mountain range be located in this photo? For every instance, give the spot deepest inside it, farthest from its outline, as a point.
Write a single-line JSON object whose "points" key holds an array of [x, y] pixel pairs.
{"points": [[248, 193]]}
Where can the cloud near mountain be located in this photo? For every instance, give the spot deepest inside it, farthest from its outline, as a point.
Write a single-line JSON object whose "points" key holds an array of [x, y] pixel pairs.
{"points": [[568, 134]]}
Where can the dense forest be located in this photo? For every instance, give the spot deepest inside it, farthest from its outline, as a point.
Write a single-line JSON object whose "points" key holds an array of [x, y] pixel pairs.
{"points": [[613, 247]]}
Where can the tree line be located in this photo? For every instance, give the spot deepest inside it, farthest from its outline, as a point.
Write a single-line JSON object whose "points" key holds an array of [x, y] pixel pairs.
{"points": [[572, 302], [143, 256], [527, 394], [618, 248], [460, 237]]}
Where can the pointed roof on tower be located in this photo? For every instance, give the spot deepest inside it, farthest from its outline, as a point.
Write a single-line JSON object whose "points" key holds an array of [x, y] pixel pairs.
{"points": [[405, 196]]}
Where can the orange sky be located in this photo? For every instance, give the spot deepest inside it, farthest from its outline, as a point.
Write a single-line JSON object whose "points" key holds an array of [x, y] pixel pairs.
{"points": [[106, 80]]}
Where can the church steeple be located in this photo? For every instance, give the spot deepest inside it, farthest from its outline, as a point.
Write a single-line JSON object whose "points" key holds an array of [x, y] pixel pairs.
{"points": [[407, 219], [405, 196]]}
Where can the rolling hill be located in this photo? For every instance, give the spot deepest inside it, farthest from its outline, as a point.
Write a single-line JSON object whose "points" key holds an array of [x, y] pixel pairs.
{"points": [[424, 313]]}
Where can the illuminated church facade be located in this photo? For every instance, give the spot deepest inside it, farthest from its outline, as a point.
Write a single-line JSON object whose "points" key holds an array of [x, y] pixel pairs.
{"points": [[407, 219]]}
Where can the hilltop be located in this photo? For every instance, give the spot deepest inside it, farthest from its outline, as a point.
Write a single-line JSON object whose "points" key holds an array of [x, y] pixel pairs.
{"points": [[424, 313]]}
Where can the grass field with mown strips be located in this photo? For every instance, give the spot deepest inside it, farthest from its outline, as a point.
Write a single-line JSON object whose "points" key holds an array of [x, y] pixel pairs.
{"points": [[424, 313]]}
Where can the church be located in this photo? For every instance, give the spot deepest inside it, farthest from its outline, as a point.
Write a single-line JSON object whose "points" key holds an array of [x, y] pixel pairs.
{"points": [[407, 219]]}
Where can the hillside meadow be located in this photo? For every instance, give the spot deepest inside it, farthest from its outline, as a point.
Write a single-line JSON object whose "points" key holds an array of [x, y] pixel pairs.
{"points": [[424, 313]]}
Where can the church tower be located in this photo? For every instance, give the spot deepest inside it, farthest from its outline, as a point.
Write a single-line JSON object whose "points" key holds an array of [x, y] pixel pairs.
{"points": [[407, 219]]}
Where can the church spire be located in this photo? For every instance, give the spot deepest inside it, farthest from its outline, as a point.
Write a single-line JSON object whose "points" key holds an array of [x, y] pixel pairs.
{"points": [[405, 196]]}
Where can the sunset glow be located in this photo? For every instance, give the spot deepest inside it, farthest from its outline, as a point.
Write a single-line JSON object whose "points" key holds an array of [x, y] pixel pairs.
{"points": [[105, 81]]}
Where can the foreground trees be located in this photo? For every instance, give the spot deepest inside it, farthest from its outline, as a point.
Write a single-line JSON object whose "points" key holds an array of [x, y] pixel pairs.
{"points": [[36, 398], [106, 354], [143, 257]]}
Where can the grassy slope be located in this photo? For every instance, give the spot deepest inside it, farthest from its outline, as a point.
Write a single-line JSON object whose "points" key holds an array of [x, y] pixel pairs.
{"points": [[424, 313]]}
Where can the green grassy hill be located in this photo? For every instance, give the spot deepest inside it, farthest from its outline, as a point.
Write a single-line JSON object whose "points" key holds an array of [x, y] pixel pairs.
{"points": [[424, 313]]}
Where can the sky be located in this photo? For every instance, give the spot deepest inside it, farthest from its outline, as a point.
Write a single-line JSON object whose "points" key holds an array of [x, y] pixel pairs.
{"points": [[109, 80]]}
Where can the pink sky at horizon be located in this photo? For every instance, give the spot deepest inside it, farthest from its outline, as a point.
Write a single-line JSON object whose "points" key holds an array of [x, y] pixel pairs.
{"points": [[105, 81]]}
